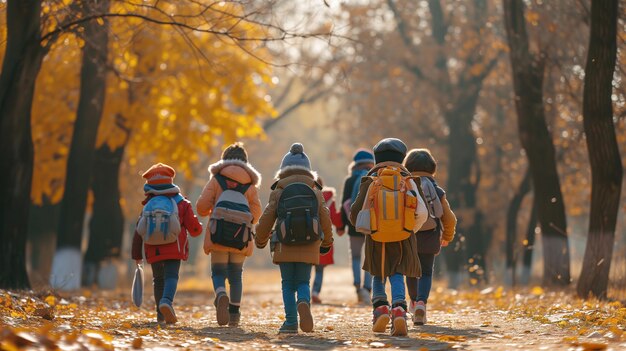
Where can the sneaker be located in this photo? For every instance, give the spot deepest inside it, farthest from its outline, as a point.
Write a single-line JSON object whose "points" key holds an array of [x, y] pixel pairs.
{"points": [[221, 306], [233, 320], [168, 313], [412, 307], [398, 322], [306, 318], [364, 296], [381, 319], [419, 314], [315, 298], [288, 329]]}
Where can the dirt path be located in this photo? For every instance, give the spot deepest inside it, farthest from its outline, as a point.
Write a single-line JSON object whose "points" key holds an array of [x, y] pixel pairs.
{"points": [[475, 322]]}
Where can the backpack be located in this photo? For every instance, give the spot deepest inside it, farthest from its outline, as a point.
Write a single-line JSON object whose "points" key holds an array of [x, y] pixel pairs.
{"points": [[392, 202], [298, 215], [357, 174], [433, 203], [159, 223], [230, 224]]}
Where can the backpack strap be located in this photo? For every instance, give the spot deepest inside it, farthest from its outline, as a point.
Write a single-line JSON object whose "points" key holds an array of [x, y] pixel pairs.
{"points": [[221, 180]]}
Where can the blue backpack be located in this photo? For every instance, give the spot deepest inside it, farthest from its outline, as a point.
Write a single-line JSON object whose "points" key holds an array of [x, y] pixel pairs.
{"points": [[159, 223], [358, 174]]}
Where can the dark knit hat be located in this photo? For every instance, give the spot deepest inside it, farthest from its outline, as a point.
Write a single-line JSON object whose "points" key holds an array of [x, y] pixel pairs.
{"points": [[363, 156], [390, 149], [296, 158]]}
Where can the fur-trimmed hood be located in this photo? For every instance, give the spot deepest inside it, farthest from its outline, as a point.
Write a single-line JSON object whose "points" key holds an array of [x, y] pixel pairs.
{"points": [[294, 170], [237, 170]]}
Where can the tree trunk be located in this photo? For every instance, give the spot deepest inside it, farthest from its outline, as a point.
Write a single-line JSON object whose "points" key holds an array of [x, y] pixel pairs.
{"points": [[511, 226], [604, 156], [463, 178], [106, 227], [66, 268], [42, 225], [536, 140], [527, 260], [21, 65]]}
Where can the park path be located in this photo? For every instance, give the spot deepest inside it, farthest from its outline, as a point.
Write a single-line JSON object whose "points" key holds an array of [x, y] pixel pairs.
{"points": [[457, 321]]}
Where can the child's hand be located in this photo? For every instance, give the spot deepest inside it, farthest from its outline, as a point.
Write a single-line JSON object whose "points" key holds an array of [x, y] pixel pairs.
{"points": [[444, 243], [139, 262], [341, 232]]}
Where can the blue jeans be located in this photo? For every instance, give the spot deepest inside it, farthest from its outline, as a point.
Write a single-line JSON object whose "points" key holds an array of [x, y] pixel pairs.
{"points": [[419, 288], [228, 265], [319, 278], [356, 247], [295, 280], [164, 281], [397, 289]]}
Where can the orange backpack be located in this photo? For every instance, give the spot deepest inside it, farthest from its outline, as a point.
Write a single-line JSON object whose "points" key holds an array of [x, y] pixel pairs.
{"points": [[392, 202]]}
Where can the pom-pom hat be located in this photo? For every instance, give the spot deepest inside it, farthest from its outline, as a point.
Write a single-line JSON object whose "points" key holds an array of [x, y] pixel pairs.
{"points": [[296, 158]]}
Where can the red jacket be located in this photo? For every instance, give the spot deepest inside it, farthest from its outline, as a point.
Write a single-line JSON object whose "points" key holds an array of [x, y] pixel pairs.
{"points": [[155, 253], [335, 218]]}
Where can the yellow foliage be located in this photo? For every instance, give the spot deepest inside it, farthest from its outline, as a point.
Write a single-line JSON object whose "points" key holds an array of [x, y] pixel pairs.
{"points": [[166, 98]]}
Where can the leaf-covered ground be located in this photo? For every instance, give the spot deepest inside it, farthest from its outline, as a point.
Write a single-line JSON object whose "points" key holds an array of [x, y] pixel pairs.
{"points": [[494, 318]]}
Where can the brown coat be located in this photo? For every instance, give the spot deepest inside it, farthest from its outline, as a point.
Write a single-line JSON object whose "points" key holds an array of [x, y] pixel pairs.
{"points": [[399, 257], [308, 253], [241, 172]]}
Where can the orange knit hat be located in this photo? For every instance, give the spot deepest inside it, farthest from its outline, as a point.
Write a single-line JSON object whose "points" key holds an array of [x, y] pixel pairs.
{"points": [[159, 174]]}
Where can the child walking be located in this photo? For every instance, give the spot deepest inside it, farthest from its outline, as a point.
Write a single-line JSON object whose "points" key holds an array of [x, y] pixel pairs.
{"points": [[231, 173], [327, 259], [437, 231], [362, 163], [300, 228], [162, 228], [393, 202]]}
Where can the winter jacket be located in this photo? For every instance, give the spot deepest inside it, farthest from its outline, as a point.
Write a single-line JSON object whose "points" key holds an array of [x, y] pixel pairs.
{"points": [[399, 257], [307, 253], [242, 173], [429, 241], [174, 251], [336, 220], [348, 185]]}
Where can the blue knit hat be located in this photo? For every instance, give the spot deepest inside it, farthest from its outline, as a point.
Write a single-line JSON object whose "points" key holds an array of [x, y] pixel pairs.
{"points": [[296, 158], [363, 156]]}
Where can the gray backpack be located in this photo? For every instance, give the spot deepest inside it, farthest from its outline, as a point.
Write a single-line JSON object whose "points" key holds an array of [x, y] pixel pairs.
{"points": [[433, 203]]}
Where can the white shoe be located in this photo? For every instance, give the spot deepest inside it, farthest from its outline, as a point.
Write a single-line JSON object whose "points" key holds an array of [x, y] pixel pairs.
{"points": [[412, 307], [419, 314]]}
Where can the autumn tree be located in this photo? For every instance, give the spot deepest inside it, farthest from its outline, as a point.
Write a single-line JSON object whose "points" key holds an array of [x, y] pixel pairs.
{"points": [[422, 81], [604, 155], [528, 74], [22, 60], [68, 257]]}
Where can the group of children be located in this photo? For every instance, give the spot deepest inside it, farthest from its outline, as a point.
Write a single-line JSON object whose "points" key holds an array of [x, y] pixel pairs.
{"points": [[392, 207]]}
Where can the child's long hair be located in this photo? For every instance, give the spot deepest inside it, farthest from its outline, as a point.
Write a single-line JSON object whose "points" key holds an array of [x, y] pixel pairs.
{"points": [[235, 151]]}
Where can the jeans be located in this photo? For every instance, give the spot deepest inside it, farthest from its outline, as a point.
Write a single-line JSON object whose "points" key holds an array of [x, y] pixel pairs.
{"points": [[397, 289], [319, 278], [228, 265], [419, 288], [164, 281], [295, 280], [356, 248]]}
